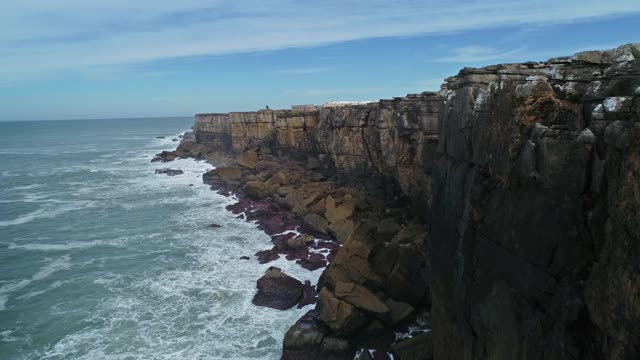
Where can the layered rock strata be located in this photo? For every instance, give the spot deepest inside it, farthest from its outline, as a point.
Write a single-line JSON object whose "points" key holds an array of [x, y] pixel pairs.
{"points": [[508, 204]]}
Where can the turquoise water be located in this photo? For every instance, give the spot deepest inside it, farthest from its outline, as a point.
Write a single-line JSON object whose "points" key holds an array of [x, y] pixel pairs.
{"points": [[102, 259]]}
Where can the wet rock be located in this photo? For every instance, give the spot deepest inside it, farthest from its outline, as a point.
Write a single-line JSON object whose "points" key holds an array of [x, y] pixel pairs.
{"points": [[300, 241], [278, 290], [310, 296], [267, 256], [245, 258], [169, 172], [214, 226]]}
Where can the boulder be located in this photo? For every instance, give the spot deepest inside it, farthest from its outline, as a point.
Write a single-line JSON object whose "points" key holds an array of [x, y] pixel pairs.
{"points": [[248, 159], [387, 229], [278, 290], [339, 212], [317, 223], [309, 339], [170, 172], [360, 297], [340, 316], [255, 189], [226, 174], [300, 241], [399, 311], [419, 347]]}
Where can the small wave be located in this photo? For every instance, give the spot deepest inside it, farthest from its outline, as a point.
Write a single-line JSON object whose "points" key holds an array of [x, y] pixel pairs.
{"points": [[55, 265], [33, 294], [25, 187], [47, 212], [57, 247]]}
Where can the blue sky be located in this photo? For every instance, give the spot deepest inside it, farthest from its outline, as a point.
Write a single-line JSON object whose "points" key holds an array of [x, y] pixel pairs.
{"points": [[70, 59]]}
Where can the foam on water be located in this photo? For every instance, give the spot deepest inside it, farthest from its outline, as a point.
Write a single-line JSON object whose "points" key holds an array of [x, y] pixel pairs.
{"points": [[137, 273], [48, 210]]}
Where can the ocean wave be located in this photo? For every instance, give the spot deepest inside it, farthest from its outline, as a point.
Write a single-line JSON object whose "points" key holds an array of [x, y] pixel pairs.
{"points": [[53, 266], [48, 211], [58, 247]]}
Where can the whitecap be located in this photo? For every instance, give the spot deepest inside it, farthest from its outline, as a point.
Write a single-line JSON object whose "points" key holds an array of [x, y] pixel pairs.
{"points": [[57, 247], [49, 212]]}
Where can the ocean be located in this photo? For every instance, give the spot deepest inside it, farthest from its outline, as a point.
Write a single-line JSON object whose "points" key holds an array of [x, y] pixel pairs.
{"points": [[100, 258]]}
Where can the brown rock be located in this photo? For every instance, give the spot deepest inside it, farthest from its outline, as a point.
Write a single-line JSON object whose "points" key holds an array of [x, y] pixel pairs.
{"points": [[300, 241], [400, 311], [277, 290], [317, 223], [338, 315], [309, 339], [361, 297], [339, 212], [255, 189], [248, 159]]}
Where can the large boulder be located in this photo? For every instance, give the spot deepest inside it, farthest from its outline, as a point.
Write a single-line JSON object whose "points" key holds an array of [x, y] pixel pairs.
{"points": [[340, 316], [278, 290], [317, 223], [248, 159], [419, 347], [309, 339], [360, 297]]}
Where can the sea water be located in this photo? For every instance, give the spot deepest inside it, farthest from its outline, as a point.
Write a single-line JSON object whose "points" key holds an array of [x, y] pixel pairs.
{"points": [[100, 258]]}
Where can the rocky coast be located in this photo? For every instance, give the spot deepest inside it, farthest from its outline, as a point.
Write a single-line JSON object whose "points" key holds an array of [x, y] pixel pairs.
{"points": [[498, 218]]}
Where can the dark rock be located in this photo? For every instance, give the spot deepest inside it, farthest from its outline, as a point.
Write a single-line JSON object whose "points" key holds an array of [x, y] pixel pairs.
{"points": [[278, 290], [245, 258], [214, 226], [310, 296], [419, 347], [308, 339], [267, 256], [317, 223], [170, 172]]}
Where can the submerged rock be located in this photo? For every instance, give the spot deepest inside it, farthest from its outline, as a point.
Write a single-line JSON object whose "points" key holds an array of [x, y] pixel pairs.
{"points": [[170, 172], [278, 290]]}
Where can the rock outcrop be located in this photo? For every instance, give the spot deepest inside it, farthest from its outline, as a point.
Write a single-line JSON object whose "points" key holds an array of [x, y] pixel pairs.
{"points": [[507, 204], [535, 222]]}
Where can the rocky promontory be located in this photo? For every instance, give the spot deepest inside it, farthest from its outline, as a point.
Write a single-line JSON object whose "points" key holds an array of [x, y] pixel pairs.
{"points": [[498, 218]]}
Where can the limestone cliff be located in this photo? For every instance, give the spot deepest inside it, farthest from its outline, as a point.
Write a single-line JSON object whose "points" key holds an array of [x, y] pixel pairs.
{"points": [[526, 176]]}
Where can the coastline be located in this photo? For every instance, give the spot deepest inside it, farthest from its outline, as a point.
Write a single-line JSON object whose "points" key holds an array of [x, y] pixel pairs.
{"points": [[310, 212]]}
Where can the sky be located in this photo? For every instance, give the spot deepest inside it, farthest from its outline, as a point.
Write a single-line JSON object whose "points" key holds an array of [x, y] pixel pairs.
{"points": [[82, 59]]}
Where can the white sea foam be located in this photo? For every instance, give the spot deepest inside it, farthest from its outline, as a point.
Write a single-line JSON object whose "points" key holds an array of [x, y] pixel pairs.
{"points": [[59, 247], [49, 211], [53, 266]]}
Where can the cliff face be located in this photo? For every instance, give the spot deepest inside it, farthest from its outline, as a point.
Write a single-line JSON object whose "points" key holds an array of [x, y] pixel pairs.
{"points": [[535, 221], [527, 178]]}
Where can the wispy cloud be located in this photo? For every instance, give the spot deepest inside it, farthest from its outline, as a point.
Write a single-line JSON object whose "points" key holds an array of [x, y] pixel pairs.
{"points": [[37, 37], [475, 54], [304, 71], [339, 91]]}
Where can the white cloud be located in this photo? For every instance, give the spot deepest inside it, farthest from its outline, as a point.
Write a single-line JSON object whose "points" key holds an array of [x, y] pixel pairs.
{"points": [[475, 54], [304, 71], [37, 37]]}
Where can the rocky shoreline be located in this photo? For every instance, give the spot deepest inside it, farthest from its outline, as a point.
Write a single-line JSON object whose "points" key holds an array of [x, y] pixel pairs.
{"points": [[502, 212], [310, 213]]}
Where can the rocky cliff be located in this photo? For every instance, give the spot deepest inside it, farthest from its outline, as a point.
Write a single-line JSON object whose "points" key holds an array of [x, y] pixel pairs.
{"points": [[523, 234]]}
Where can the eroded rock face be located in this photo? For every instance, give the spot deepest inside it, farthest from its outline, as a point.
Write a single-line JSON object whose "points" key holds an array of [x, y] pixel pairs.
{"points": [[533, 162], [526, 176]]}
